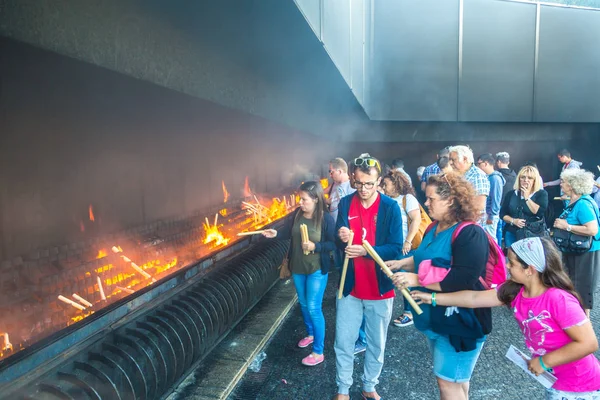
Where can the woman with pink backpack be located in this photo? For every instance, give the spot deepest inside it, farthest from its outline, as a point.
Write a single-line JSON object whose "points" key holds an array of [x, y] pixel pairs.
{"points": [[451, 257]]}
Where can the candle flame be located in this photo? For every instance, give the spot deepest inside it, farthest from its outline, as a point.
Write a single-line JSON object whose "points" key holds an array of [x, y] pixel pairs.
{"points": [[225, 192], [213, 234], [247, 191]]}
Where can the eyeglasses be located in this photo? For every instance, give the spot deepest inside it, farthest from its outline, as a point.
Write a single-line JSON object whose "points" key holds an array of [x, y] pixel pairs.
{"points": [[366, 185], [368, 161], [331, 171]]}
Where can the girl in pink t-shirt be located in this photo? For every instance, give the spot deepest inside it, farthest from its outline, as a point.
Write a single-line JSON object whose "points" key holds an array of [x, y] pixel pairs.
{"points": [[556, 330]]}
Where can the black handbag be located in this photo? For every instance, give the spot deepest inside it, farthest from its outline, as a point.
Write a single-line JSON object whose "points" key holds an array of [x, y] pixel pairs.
{"points": [[532, 229], [569, 242], [535, 228]]}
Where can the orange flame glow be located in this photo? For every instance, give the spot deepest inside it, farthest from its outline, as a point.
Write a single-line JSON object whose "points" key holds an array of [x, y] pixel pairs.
{"points": [[78, 318], [247, 191], [6, 345], [263, 215], [91, 212], [277, 209], [324, 183], [213, 234], [225, 192], [101, 254]]}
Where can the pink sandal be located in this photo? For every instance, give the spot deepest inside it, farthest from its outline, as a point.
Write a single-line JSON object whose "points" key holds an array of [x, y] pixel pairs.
{"points": [[313, 359], [305, 342]]}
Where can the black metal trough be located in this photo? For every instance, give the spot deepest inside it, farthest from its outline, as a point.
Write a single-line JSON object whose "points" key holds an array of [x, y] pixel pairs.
{"points": [[146, 353]]}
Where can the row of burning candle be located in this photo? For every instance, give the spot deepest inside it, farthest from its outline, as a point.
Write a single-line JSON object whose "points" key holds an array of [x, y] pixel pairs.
{"points": [[82, 304], [212, 234], [260, 215]]}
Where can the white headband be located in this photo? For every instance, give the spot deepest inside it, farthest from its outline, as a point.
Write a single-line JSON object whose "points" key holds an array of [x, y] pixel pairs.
{"points": [[531, 251]]}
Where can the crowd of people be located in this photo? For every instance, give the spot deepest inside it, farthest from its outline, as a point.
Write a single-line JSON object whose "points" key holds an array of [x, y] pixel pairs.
{"points": [[478, 207]]}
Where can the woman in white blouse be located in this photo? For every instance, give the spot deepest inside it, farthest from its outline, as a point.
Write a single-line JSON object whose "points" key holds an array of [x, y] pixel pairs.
{"points": [[396, 186]]}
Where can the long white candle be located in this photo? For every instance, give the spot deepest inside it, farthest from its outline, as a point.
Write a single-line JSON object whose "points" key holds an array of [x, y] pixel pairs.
{"points": [[71, 302], [82, 300], [135, 266], [250, 233], [100, 288]]}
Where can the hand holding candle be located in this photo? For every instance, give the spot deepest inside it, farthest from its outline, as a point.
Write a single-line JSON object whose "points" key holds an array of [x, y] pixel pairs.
{"points": [[304, 235], [345, 267], [389, 274]]}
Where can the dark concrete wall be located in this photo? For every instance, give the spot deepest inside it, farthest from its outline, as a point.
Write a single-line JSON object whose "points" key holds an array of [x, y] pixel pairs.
{"points": [[74, 134]]}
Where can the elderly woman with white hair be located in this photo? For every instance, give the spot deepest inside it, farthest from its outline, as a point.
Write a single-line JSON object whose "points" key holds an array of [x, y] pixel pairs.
{"points": [[581, 217]]}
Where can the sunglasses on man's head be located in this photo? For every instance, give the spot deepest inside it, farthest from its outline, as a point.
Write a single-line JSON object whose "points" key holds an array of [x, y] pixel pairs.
{"points": [[369, 162]]}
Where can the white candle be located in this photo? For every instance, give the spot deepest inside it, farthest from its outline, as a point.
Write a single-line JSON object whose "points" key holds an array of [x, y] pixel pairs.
{"points": [[100, 288], [71, 302], [82, 300]]}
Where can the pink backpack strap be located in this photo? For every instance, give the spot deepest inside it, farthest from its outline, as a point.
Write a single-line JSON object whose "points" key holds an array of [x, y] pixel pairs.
{"points": [[459, 228]]}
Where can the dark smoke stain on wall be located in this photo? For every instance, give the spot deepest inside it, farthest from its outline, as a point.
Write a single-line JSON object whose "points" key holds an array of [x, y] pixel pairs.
{"points": [[74, 134]]}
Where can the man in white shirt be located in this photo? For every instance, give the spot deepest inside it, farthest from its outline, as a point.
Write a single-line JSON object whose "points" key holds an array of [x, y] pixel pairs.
{"points": [[462, 161], [338, 170]]}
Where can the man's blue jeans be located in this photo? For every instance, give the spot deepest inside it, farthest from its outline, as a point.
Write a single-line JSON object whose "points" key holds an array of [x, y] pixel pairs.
{"points": [[310, 289]]}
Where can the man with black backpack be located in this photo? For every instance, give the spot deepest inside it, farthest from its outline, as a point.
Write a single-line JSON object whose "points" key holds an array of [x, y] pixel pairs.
{"points": [[486, 162]]}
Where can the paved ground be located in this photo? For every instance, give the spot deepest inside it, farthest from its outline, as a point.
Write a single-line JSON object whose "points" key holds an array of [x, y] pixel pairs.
{"points": [[407, 372]]}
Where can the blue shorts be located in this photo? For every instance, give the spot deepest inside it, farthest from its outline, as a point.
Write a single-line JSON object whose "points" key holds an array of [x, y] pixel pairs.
{"points": [[447, 363]]}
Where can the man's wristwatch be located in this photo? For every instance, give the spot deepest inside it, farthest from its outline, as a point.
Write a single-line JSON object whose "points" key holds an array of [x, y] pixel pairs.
{"points": [[569, 227]]}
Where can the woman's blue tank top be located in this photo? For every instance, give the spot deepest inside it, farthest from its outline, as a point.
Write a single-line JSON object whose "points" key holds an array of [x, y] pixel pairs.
{"points": [[432, 246]]}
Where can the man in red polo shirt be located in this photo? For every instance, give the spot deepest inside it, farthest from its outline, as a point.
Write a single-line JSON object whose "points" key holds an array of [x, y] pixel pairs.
{"points": [[367, 291]]}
